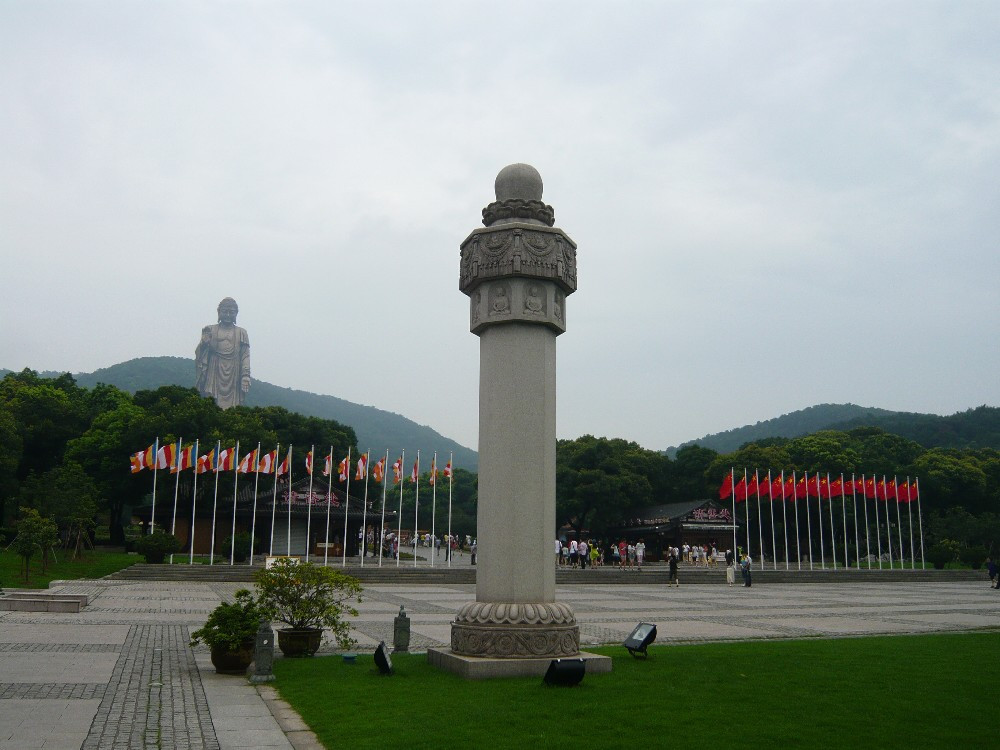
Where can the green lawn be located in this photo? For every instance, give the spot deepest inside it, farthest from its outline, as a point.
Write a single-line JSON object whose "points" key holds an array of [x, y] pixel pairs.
{"points": [[928, 691], [93, 564]]}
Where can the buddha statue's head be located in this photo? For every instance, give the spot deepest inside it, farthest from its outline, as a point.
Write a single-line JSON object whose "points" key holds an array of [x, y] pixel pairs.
{"points": [[228, 310]]}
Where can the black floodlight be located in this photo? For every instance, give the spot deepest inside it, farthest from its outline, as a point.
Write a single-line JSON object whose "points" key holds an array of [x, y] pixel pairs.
{"points": [[565, 672], [382, 660], [640, 638]]}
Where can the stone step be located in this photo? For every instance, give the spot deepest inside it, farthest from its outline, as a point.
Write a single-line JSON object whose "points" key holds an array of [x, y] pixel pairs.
{"points": [[38, 604]]}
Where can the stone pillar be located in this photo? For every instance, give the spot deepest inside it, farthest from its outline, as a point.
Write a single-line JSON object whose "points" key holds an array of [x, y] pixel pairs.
{"points": [[517, 271]]}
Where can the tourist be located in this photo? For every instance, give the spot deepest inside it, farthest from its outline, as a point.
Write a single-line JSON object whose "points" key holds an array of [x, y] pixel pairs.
{"points": [[583, 552], [615, 559], [558, 553], [574, 550], [596, 556], [672, 564], [640, 553], [730, 567], [747, 565], [991, 568]]}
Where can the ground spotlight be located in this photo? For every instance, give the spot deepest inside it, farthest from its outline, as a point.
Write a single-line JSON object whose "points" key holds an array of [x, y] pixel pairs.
{"points": [[382, 660], [640, 638], [565, 672]]}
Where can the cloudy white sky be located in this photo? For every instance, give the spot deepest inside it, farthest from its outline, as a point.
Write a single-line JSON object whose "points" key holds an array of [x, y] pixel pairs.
{"points": [[777, 204]]}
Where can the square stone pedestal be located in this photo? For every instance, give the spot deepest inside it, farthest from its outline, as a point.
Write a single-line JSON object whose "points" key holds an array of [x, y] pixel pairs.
{"points": [[482, 668]]}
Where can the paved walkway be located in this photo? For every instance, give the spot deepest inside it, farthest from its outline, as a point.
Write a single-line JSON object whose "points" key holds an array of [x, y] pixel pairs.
{"points": [[120, 674]]}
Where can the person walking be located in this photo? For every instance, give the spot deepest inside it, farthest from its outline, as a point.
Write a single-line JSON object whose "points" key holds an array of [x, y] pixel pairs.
{"points": [[640, 553], [730, 567], [992, 569], [672, 565], [583, 552]]}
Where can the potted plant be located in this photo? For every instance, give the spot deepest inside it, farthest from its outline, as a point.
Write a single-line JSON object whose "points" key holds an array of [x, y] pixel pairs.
{"points": [[230, 632], [156, 546], [307, 598]]}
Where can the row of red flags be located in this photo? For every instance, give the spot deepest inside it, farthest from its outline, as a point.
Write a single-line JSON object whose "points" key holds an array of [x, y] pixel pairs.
{"points": [[817, 486], [176, 458]]}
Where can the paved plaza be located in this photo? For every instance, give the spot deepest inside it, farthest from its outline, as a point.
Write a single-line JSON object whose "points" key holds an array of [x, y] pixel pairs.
{"points": [[120, 674]]}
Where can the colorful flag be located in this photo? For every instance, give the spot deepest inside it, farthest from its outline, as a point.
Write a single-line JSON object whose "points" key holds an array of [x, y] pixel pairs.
{"points": [[378, 470], [185, 460], [343, 469], [416, 471], [227, 459], [148, 459], [447, 470], [206, 463], [286, 465], [309, 462], [249, 463], [327, 464], [138, 461], [362, 471], [267, 462], [165, 456], [397, 471], [727, 487], [434, 471]]}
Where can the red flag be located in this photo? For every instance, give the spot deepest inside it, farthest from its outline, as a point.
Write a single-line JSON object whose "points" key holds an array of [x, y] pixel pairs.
{"points": [[801, 489], [727, 487], [309, 462], [813, 486], [824, 488], [397, 471], [267, 462], [837, 487], [249, 463], [870, 487], [740, 490], [848, 486], [890, 490], [764, 486], [776, 489], [903, 491], [378, 470], [362, 471], [185, 460], [752, 487], [790, 488]]}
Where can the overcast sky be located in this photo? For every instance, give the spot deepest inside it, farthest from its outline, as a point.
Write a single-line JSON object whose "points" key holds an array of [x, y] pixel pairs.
{"points": [[776, 204]]}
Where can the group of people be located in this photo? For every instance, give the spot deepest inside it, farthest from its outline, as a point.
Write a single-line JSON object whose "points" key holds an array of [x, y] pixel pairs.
{"points": [[586, 552]]}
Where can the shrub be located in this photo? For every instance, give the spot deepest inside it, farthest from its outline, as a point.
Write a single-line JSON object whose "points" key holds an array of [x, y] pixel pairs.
{"points": [[973, 556], [156, 546], [941, 554], [304, 595], [230, 625]]}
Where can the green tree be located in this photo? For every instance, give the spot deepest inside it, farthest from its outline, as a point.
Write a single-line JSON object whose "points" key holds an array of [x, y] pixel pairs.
{"points": [[688, 473], [34, 534]]}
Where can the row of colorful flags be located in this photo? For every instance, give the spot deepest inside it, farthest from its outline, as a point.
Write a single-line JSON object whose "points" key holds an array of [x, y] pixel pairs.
{"points": [[818, 486], [176, 458]]}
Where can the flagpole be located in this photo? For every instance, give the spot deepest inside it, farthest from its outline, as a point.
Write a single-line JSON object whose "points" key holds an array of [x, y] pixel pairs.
{"points": [[819, 512], [795, 499], [909, 513], [309, 500], [288, 536], [899, 524], [177, 486], [347, 503], [843, 514], [329, 501], [784, 517], [888, 519], [434, 494], [854, 505], [364, 513], [774, 543], [156, 459], [399, 516], [416, 510], [274, 497], [833, 531], [194, 501], [921, 522], [760, 525], [732, 481], [878, 525], [215, 500], [864, 502], [256, 485], [451, 474], [381, 530], [809, 530], [236, 481]]}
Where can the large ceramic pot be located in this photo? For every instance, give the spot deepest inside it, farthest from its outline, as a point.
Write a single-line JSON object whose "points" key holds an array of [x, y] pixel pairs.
{"points": [[299, 642], [227, 661]]}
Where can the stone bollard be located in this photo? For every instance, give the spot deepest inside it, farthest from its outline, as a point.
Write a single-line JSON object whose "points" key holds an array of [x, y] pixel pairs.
{"points": [[260, 670], [401, 631]]}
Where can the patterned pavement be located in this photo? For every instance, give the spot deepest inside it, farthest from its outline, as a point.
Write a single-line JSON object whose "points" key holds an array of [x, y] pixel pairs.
{"points": [[120, 674]]}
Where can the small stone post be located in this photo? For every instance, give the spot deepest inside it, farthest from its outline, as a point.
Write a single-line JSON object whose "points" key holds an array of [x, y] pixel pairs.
{"points": [[263, 660], [401, 631]]}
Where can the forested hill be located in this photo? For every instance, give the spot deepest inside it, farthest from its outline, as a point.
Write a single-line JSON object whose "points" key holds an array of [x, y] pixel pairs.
{"points": [[975, 428], [376, 429]]}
